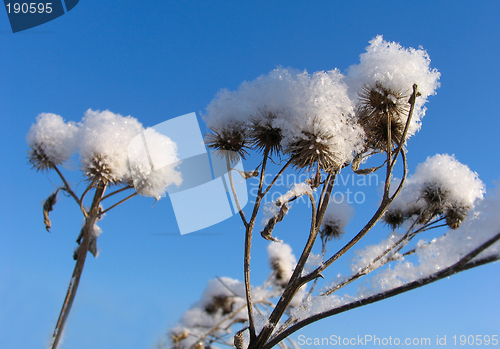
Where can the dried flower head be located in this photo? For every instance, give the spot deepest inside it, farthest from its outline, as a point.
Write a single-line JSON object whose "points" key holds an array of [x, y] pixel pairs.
{"points": [[39, 159], [99, 169], [395, 218], [455, 215], [331, 230], [178, 335], [264, 135], [222, 302], [230, 141], [377, 107], [314, 150]]}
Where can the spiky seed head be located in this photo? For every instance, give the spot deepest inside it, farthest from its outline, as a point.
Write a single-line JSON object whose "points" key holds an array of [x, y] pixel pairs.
{"points": [[377, 106], [313, 151], [39, 159], [264, 135], [178, 336], [230, 142], [331, 230], [224, 303], [455, 215], [394, 218], [378, 101], [436, 198], [99, 169]]}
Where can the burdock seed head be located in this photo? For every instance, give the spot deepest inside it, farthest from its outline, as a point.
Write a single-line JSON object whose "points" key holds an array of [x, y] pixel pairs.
{"points": [[39, 159], [455, 215], [264, 135], [230, 141], [377, 107], [394, 218], [313, 151], [331, 230]]}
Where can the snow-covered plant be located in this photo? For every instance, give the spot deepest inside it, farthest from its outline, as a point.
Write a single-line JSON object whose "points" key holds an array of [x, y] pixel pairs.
{"points": [[223, 305], [101, 141], [322, 123]]}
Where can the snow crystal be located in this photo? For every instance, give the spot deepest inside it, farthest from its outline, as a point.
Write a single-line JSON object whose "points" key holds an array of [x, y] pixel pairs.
{"points": [[396, 68], [56, 138], [105, 137]]}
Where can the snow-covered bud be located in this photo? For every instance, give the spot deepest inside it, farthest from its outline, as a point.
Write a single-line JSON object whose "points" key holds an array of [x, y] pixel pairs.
{"points": [[336, 218], [282, 262], [52, 141]]}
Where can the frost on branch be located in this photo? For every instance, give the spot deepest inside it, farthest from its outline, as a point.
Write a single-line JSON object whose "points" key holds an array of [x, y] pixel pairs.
{"points": [[222, 305]]}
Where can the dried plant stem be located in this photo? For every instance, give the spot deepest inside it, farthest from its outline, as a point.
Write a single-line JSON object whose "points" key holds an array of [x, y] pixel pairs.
{"points": [[92, 217], [293, 285], [248, 245], [463, 264], [229, 172], [119, 202], [396, 247]]}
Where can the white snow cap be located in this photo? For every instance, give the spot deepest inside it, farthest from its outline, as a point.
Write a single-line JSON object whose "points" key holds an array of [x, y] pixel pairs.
{"points": [[302, 103], [396, 68], [56, 138], [105, 137], [462, 186], [102, 140]]}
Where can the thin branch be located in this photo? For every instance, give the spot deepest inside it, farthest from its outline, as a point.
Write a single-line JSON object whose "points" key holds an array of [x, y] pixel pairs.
{"points": [[294, 283], [463, 264], [119, 202], [277, 177], [240, 211], [80, 263], [118, 191]]}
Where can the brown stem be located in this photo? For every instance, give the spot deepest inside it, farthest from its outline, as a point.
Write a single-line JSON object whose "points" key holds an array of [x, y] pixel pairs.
{"points": [[295, 282], [248, 245], [463, 264], [119, 202], [80, 263], [229, 172]]}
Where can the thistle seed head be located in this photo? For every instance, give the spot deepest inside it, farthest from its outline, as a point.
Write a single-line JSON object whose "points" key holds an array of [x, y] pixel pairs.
{"points": [[229, 142], [39, 159], [263, 135], [331, 230], [377, 106], [313, 151]]}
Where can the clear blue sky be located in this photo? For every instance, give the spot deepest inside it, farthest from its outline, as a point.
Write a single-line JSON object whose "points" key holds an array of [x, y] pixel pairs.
{"points": [[156, 60]]}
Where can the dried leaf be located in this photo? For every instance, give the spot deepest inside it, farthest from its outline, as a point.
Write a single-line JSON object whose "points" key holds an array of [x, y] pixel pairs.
{"points": [[278, 217], [47, 207]]}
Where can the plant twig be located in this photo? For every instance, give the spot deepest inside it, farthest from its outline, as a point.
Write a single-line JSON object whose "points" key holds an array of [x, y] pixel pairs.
{"points": [[80, 263], [463, 264]]}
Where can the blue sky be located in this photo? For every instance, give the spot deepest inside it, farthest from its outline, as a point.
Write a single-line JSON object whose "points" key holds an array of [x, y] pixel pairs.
{"points": [[157, 60]]}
